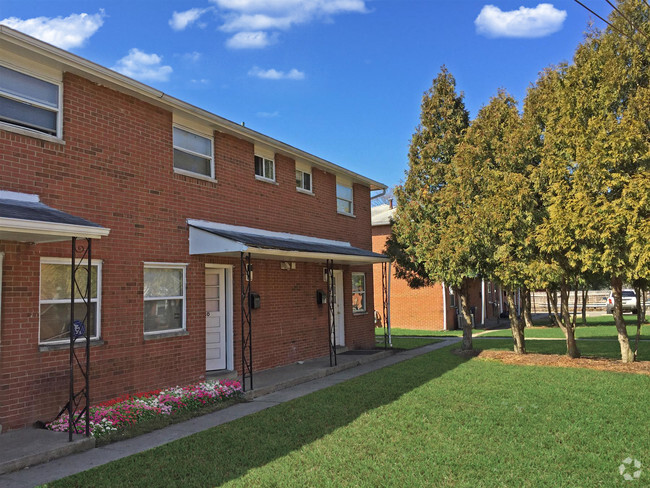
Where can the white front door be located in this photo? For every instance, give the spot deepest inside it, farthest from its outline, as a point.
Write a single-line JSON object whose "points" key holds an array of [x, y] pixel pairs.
{"points": [[215, 320], [339, 307]]}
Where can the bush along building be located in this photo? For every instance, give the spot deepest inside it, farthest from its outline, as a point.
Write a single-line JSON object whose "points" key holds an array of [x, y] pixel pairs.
{"points": [[432, 307], [211, 247]]}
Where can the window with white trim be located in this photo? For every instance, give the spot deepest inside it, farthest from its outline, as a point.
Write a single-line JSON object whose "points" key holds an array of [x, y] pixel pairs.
{"points": [[55, 296], [303, 177], [164, 297], [452, 298], [344, 198], [358, 292], [193, 153], [30, 102], [264, 168]]}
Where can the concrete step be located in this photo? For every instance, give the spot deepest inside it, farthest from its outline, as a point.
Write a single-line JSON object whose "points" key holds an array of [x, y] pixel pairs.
{"points": [[28, 447]]}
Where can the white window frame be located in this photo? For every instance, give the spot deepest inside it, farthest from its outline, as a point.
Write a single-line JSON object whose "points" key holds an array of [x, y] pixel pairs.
{"points": [[183, 297], [363, 293], [452, 298], [97, 300], [58, 110], [350, 186], [264, 176], [304, 169], [193, 153]]}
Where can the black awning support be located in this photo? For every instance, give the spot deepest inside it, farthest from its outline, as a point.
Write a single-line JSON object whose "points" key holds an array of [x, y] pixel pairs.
{"points": [[384, 298], [78, 406], [246, 320], [331, 311]]}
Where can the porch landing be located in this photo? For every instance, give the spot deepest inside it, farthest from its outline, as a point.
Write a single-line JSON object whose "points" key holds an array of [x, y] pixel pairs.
{"points": [[271, 380], [27, 447]]}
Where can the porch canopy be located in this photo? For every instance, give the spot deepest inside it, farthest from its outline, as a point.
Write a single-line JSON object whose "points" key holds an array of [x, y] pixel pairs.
{"points": [[232, 240], [23, 218]]}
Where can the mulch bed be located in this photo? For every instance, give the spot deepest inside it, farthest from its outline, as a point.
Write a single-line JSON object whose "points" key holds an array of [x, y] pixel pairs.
{"points": [[562, 361]]}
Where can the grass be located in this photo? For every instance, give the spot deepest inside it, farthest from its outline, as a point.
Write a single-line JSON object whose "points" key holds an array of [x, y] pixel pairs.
{"points": [[420, 333], [436, 420], [604, 349], [408, 342], [598, 327]]}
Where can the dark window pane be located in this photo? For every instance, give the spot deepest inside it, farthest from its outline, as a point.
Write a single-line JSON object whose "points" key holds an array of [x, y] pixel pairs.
{"points": [[189, 162], [28, 116], [55, 320], [161, 315]]}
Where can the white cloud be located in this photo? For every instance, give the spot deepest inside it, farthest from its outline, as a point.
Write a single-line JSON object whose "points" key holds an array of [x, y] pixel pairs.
{"points": [[193, 57], [273, 74], [182, 20], [251, 40], [64, 32], [244, 17], [142, 66], [540, 21]]}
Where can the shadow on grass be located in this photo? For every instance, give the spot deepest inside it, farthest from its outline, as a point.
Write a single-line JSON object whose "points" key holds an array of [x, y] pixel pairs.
{"points": [[229, 451], [592, 348]]}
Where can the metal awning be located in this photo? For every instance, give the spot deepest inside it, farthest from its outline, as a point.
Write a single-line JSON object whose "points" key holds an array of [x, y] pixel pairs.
{"points": [[23, 218], [231, 240]]}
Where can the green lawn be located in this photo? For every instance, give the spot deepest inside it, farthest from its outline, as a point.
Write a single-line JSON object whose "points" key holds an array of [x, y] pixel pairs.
{"points": [[408, 342], [423, 333], [582, 332], [436, 420]]}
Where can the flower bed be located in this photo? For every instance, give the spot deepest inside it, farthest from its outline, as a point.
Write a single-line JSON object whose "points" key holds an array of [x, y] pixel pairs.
{"points": [[129, 410]]}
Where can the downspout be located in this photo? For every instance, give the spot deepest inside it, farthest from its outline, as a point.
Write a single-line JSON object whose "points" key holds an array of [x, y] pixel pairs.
{"points": [[390, 338], [444, 307], [483, 302]]}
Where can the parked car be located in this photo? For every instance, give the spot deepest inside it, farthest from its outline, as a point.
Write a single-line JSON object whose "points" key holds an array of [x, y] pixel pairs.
{"points": [[629, 302]]}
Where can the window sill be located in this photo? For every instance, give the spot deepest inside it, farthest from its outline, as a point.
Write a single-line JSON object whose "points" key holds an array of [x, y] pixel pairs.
{"points": [[305, 192], [364, 312], [346, 214], [266, 180], [63, 346], [31, 133], [151, 336], [195, 175]]}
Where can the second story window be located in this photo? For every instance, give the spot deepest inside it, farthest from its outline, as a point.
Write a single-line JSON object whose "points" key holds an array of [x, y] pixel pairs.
{"points": [[344, 198], [264, 168], [193, 153], [303, 178], [29, 102]]}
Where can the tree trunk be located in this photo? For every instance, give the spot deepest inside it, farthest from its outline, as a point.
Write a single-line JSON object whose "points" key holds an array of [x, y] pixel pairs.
{"points": [[548, 306], [627, 355], [528, 318], [465, 315], [516, 325], [554, 305], [585, 295], [568, 326], [639, 320]]}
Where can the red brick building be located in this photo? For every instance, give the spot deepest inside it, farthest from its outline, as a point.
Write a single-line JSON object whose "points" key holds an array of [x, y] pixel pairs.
{"points": [[175, 199], [433, 307]]}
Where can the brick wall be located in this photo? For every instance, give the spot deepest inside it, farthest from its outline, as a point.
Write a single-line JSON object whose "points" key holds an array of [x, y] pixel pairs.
{"points": [[422, 308], [116, 169]]}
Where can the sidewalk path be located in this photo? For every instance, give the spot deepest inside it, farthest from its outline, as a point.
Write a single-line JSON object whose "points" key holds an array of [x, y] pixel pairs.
{"points": [[75, 463]]}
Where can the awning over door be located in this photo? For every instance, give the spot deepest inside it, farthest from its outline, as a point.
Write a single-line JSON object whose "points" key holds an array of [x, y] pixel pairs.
{"points": [[231, 240], [23, 218]]}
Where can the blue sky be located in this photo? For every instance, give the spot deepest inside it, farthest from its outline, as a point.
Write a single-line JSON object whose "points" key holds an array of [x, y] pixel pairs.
{"points": [[342, 79]]}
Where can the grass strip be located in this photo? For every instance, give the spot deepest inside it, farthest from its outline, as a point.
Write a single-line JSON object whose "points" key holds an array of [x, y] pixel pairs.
{"points": [[436, 420]]}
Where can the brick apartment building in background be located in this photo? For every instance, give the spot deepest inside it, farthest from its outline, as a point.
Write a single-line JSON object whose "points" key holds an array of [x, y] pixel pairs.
{"points": [[174, 199], [432, 307]]}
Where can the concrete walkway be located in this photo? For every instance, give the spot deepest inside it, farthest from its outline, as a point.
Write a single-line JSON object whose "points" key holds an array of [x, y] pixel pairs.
{"points": [[272, 387]]}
